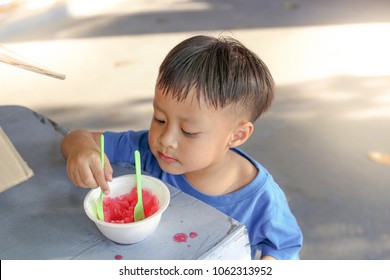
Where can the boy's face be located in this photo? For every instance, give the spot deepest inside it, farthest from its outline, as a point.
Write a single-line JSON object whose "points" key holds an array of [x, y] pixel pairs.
{"points": [[188, 136]]}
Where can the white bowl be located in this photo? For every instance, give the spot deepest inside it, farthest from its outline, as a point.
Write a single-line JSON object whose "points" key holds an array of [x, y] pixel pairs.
{"points": [[134, 232]]}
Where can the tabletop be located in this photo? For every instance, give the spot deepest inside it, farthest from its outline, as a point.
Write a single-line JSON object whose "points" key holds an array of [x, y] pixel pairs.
{"points": [[43, 217]]}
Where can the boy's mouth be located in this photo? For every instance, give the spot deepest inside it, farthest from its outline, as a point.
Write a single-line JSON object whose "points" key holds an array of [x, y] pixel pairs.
{"points": [[166, 158]]}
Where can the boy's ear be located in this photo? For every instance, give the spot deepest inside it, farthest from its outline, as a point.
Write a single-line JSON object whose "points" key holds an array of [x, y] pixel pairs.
{"points": [[242, 133]]}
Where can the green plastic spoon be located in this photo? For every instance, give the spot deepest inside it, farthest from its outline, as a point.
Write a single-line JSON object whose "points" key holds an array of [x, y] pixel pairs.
{"points": [[99, 206], [139, 213]]}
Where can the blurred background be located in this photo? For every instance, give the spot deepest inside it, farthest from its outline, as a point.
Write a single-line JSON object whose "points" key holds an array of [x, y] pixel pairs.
{"points": [[326, 140]]}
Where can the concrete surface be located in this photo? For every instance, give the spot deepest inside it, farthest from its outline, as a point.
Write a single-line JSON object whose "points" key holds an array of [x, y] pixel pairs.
{"points": [[330, 61]]}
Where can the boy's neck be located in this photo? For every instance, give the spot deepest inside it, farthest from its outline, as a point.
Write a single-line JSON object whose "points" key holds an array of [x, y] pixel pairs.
{"points": [[234, 173]]}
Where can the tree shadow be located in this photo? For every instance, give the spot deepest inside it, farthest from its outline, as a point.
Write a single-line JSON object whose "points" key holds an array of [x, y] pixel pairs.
{"points": [[58, 23], [133, 114], [314, 141]]}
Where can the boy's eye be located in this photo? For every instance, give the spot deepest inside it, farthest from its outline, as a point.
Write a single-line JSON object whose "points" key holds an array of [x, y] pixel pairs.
{"points": [[158, 120], [189, 134]]}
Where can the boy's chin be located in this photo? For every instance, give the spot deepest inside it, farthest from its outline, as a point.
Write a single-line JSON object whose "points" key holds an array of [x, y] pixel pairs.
{"points": [[170, 169]]}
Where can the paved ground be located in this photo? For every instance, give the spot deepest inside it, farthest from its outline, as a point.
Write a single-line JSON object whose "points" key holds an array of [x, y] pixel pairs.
{"points": [[330, 61]]}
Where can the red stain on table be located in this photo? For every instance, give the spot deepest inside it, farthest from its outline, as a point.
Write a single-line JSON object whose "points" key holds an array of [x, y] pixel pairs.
{"points": [[182, 237], [118, 257]]}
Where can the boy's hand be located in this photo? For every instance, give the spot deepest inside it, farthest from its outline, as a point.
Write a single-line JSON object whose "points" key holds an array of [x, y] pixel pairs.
{"points": [[81, 149]]}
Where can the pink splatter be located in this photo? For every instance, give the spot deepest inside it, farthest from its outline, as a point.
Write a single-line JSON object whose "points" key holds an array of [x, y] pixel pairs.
{"points": [[118, 257], [180, 237]]}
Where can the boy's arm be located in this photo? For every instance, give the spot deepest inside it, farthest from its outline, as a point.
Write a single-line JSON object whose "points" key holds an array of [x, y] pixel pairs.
{"points": [[81, 149], [267, 258]]}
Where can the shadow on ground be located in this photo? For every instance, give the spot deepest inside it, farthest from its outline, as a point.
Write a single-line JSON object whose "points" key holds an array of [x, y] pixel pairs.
{"points": [[195, 15], [315, 141]]}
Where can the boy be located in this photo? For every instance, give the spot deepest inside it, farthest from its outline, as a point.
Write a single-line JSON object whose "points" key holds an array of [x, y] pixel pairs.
{"points": [[208, 94]]}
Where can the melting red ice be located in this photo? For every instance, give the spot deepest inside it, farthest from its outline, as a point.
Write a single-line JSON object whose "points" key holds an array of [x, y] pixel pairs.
{"points": [[120, 209], [182, 237]]}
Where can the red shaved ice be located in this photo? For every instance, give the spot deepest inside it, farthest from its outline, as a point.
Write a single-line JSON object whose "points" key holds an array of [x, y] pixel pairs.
{"points": [[120, 209]]}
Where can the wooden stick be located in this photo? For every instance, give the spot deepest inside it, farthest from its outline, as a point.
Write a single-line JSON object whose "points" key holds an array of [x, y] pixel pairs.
{"points": [[11, 58]]}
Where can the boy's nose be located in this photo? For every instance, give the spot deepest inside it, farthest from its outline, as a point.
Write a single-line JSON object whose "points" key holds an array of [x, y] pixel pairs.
{"points": [[169, 138]]}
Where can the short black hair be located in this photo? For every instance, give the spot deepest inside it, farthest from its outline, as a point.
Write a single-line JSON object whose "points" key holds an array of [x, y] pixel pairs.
{"points": [[221, 70]]}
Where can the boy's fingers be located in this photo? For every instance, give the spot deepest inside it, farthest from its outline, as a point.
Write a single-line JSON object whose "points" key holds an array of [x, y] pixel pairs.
{"points": [[73, 178], [87, 179], [100, 178], [105, 188], [78, 179], [107, 169]]}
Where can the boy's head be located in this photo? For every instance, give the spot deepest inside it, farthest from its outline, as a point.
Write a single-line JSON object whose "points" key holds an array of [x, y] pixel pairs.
{"points": [[208, 94], [222, 72]]}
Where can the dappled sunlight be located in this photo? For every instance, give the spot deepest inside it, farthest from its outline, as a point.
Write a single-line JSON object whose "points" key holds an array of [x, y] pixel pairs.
{"points": [[298, 115], [382, 112], [383, 98], [300, 54], [342, 98], [337, 71], [361, 50], [314, 77], [38, 4], [324, 94]]}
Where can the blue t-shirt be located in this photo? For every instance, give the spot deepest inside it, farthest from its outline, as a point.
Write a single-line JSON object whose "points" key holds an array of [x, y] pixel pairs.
{"points": [[261, 205]]}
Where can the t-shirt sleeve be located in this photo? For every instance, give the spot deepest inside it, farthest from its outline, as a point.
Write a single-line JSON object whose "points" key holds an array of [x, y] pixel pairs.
{"points": [[280, 233], [120, 146], [286, 243]]}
